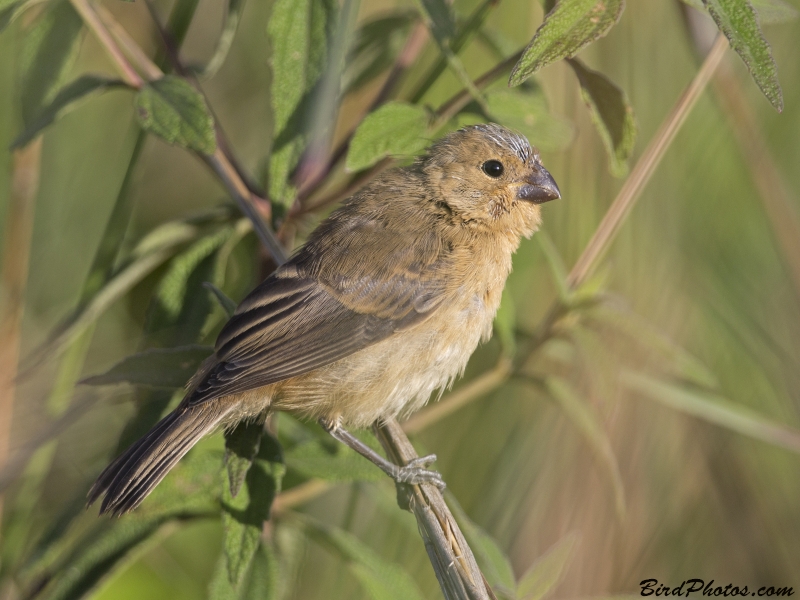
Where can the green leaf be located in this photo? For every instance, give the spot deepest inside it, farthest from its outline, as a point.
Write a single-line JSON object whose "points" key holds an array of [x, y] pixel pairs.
{"points": [[176, 112], [738, 20], [241, 447], [713, 409], [381, 579], [49, 50], [546, 573], [774, 11], [108, 546], [611, 113], [172, 288], [156, 367], [160, 246], [396, 128], [300, 32], [584, 417], [336, 462], [527, 112], [243, 516], [228, 305], [78, 89], [567, 29], [260, 583], [225, 40]]}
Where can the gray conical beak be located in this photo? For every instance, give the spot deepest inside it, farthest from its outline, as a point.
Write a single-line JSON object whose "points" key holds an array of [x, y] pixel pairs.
{"points": [[539, 187]]}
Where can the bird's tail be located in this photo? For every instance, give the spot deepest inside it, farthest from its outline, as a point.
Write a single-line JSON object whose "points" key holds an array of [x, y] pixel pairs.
{"points": [[132, 476]]}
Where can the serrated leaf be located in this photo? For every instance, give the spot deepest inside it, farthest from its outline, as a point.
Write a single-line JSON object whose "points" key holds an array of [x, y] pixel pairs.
{"points": [[527, 112], [66, 98], [94, 556], [48, 51], [300, 32], [547, 572], [243, 517], [171, 290], [381, 579], [261, 582], [713, 409], [584, 417], [336, 462], [738, 20], [567, 29], [612, 115], [241, 447], [176, 112], [396, 128], [156, 367]]}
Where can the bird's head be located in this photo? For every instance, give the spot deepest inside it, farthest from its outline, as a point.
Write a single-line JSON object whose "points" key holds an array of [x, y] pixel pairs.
{"points": [[490, 176]]}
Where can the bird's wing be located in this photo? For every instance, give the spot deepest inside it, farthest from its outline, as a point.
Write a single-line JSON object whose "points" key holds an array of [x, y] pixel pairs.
{"points": [[305, 316]]}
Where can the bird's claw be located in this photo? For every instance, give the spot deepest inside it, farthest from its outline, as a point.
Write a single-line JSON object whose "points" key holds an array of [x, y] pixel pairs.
{"points": [[415, 472]]}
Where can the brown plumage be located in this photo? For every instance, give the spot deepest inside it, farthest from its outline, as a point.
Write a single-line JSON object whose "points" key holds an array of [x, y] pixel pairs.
{"points": [[380, 308]]}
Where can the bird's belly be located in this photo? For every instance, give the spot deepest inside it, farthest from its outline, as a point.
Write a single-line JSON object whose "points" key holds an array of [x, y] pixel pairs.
{"points": [[394, 377]]}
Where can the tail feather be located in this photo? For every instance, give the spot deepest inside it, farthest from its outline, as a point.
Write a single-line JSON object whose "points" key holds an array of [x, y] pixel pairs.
{"points": [[133, 475]]}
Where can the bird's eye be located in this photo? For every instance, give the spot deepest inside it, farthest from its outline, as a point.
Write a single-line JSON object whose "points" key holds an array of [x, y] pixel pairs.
{"points": [[493, 168]]}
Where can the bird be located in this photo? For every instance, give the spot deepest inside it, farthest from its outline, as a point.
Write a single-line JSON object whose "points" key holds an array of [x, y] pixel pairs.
{"points": [[378, 311]]}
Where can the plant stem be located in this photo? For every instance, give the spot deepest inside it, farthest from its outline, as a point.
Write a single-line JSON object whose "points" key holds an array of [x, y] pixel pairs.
{"points": [[629, 194]]}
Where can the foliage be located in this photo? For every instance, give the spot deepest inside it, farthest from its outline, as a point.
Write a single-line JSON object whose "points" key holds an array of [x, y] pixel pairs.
{"points": [[613, 382]]}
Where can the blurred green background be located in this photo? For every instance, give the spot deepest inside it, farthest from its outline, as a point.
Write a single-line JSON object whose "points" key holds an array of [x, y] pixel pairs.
{"points": [[699, 261]]}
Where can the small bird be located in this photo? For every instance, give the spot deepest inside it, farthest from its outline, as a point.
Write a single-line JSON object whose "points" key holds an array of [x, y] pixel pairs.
{"points": [[381, 307]]}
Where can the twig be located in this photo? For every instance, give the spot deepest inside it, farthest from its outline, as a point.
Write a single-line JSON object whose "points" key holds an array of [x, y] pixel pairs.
{"points": [[451, 557], [629, 194], [102, 24]]}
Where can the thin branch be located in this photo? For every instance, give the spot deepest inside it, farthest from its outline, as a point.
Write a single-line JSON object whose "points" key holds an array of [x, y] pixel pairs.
{"points": [[92, 20], [451, 557], [103, 24], [629, 194]]}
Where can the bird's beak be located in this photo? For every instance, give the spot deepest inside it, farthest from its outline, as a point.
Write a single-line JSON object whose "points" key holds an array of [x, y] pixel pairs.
{"points": [[539, 187]]}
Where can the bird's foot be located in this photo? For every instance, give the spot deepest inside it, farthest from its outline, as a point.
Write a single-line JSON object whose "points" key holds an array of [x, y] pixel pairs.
{"points": [[415, 472]]}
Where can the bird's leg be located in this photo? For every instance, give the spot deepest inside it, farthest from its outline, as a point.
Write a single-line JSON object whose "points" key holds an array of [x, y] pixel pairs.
{"points": [[414, 472]]}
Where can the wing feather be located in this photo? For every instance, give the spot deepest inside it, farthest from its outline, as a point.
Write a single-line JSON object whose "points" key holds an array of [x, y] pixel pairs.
{"points": [[321, 307]]}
